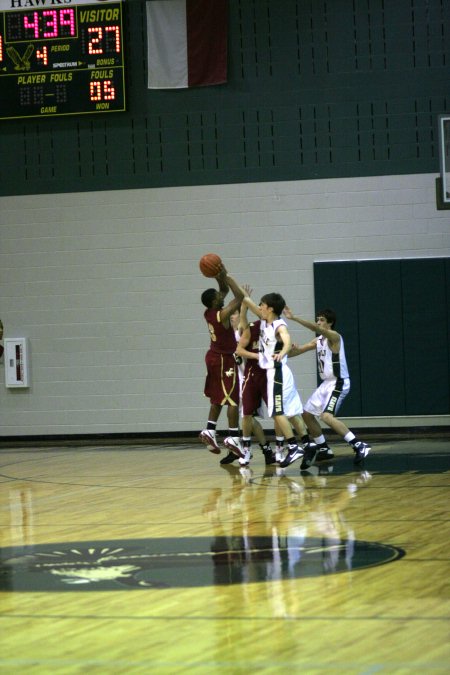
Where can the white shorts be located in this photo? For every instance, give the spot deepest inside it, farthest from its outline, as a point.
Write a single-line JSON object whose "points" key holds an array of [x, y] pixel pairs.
{"points": [[282, 395], [328, 397]]}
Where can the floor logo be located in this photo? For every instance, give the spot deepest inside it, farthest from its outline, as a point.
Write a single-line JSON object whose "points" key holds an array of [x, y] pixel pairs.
{"points": [[182, 562]]}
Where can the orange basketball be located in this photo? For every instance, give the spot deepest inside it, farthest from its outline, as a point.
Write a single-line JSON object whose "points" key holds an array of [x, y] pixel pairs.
{"points": [[210, 264]]}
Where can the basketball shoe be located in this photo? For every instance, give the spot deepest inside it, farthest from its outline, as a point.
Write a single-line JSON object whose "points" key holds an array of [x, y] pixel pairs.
{"points": [[361, 451], [269, 456], [208, 437], [279, 453], [233, 443], [245, 458], [293, 453], [324, 453], [309, 457]]}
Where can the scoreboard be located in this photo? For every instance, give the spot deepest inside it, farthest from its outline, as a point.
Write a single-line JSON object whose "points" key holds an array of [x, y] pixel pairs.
{"points": [[61, 57]]}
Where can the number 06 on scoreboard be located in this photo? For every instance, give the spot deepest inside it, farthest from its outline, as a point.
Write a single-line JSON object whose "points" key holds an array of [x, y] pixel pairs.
{"points": [[60, 60]]}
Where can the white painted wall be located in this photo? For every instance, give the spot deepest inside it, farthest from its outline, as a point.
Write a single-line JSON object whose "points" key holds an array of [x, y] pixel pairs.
{"points": [[106, 286]]}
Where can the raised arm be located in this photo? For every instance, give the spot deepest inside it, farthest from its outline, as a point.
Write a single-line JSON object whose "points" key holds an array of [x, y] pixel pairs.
{"points": [[252, 306], [243, 318], [296, 349], [222, 281], [226, 282], [333, 336], [289, 314], [238, 291]]}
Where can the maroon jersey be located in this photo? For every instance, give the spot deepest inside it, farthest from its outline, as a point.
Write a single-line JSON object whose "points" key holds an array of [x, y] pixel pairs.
{"points": [[223, 340], [222, 381], [254, 388], [253, 345]]}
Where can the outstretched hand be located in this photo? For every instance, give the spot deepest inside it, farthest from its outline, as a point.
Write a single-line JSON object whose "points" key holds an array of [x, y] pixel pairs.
{"points": [[288, 313]]}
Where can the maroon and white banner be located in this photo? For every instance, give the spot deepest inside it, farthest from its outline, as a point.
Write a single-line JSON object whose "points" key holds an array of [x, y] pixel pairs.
{"points": [[187, 43]]}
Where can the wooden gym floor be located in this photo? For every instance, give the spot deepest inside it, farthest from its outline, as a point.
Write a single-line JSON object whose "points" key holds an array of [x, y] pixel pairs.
{"points": [[156, 559]]}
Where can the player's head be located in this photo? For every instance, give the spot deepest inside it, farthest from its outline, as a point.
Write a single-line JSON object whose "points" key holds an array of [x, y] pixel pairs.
{"points": [[234, 319], [329, 315], [210, 298], [274, 301]]}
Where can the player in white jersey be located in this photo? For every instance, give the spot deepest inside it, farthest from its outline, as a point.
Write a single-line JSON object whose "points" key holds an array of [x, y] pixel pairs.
{"points": [[328, 397], [283, 400]]}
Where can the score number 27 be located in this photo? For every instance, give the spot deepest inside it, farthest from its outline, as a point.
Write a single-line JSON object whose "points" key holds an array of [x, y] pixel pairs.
{"points": [[111, 41]]}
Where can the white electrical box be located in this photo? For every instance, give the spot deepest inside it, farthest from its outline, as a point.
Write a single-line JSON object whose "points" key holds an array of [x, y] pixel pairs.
{"points": [[16, 362]]}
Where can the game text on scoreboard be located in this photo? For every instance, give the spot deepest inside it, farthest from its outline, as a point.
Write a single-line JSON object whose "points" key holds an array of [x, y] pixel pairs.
{"points": [[61, 59]]}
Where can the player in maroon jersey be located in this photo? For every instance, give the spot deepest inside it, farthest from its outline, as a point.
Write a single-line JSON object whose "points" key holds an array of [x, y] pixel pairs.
{"points": [[222, 380]]}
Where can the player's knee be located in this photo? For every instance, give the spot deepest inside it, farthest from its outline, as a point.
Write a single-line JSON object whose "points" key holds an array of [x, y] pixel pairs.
{"points": [[326, 417]]}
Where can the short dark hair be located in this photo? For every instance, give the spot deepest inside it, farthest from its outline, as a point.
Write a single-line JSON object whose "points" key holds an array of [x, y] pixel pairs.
{"points": [[208, 297], [274, 300], [329, 314]]}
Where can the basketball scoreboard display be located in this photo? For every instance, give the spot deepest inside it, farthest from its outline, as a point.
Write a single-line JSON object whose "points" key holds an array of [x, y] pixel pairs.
{"points": [[61, 57]]}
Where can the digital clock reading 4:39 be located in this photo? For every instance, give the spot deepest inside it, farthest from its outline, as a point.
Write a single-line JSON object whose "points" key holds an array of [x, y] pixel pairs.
{"points": [[60, 57]]}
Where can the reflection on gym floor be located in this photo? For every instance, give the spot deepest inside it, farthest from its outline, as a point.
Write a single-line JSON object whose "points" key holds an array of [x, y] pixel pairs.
{"points": [[159, 559]]}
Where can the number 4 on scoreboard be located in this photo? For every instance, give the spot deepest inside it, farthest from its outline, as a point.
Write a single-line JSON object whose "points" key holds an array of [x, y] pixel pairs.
{"points": [[42, 53]]}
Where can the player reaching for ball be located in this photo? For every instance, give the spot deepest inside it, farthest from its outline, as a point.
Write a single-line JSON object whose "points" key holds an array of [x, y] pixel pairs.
{"points": [[278, 387], [222, 380]]}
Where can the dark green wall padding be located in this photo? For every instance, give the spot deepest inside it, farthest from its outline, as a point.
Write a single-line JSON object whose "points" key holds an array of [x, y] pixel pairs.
{"points": [[394, 316], [316, 89]]}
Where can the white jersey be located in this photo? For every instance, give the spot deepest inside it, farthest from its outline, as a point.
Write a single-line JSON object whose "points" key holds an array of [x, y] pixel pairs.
{"points": [[269, 344], [331, 366]]}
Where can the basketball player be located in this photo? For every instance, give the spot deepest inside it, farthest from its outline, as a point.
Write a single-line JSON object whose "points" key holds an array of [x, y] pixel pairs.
{"points": [[281, 396], [255, 391], [328, 397], [240, 324], [222, 380]]}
